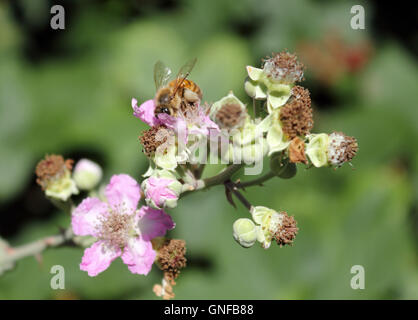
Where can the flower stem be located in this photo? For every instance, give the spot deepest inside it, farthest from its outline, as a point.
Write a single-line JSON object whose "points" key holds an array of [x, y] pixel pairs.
{"points": [[222, 176], [218, 179], [36, 247], [257, 181]]}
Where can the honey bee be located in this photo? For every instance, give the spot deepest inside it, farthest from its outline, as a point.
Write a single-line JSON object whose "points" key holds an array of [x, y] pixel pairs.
{"points": [[177, 95]]}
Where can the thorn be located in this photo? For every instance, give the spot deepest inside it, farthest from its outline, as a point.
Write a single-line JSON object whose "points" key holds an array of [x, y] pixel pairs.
{"points": [[228, 194]]}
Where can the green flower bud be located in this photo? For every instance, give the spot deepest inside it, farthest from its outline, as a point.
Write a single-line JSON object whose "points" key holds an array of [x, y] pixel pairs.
{"points": [[87, 174], [244, 232]]}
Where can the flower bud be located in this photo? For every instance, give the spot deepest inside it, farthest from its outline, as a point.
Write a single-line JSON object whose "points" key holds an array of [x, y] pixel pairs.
{"points": [[274, 225], [87, 174], [244, 232], [54, 176], [161, 189]]}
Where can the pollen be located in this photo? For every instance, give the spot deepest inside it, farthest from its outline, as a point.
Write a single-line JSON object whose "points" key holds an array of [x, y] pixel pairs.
{"points": [[296, 116], [171, 258], [341, 148], [152, 138], [230, 116], [51, 168], [287, 231], [283, 67], [116, 228]]}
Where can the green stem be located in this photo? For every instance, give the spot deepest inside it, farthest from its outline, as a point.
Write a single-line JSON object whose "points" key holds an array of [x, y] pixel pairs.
{"points": [[36, 247], [222, 176], [257, 181], [218, 179]]}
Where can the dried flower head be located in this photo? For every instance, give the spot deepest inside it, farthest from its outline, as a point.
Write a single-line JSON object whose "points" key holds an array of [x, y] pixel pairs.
{"points": [[230, 115], [287, 230], [171, 257], [296, 116], [52, 168], [283, 67], [274, 225], [341, 148], [152, 138]]}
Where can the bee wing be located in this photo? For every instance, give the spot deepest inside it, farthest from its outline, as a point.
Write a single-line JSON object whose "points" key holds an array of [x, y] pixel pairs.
{"points": [[161, 74], [184, 72]]}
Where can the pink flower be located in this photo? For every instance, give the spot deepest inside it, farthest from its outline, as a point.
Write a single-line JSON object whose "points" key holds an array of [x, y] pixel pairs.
{"points": [[161, 192], [121, 229], [192, 122], [145, 112]]}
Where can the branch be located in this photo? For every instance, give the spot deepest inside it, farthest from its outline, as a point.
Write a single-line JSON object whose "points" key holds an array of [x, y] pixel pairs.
{"points": [[218, 179], [32, 249], [256, 182]]}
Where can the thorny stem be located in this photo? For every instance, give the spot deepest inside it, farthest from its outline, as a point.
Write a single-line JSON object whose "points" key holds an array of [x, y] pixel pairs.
{"points": [[67, 237], [37, 247], [257, 181], [234, 189], [218, 179], [223, 176]]}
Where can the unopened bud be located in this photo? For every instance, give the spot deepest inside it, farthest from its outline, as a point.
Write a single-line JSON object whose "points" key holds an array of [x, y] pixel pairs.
{"points": [[244, 232], [87, 174]]}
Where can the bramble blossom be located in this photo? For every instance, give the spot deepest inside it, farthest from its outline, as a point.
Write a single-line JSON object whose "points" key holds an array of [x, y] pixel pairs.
{"points": [[161, 189], [120, 228]]}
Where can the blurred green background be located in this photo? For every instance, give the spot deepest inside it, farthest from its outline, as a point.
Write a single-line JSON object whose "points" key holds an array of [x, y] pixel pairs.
{"points": [[69, 91]]}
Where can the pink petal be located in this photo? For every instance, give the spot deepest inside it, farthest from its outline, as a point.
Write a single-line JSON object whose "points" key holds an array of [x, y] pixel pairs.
{"points": [[153, 222], [139, 256], [86, 217], [123, 193], [98, 258], [158, 191], [145, 112]]}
